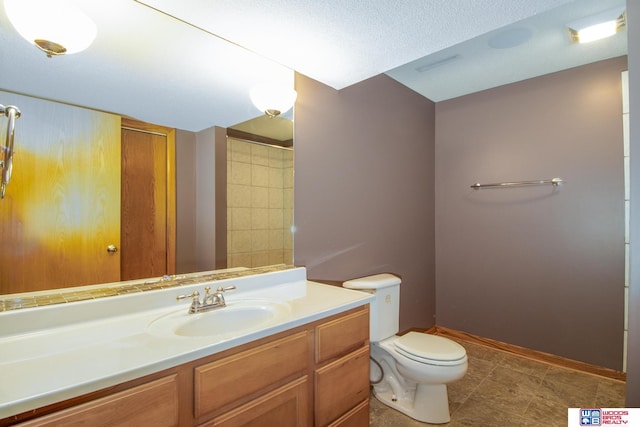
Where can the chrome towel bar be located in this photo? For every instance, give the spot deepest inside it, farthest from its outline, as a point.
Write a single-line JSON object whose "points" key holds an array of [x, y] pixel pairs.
{"points": [[12, 112], [555, 182]]}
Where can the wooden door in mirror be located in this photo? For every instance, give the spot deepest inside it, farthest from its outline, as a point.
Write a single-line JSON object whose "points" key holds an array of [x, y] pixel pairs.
{"points": [[62, 209], [148, 211]]}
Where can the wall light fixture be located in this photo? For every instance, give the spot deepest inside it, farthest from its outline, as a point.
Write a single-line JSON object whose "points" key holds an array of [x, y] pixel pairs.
{"points": [[599, 26]]}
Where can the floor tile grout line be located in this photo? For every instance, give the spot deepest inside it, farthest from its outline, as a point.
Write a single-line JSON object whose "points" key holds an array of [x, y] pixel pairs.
{"points": [[477, 386], [471, 393], [534, 394]]}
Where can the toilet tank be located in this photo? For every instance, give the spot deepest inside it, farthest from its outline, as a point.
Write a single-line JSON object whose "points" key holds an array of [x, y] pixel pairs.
{"points": [[385, 308]]}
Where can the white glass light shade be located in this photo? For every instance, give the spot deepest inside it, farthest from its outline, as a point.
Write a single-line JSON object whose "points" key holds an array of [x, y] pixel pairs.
{"points": [[51, 23], [273, 99]]}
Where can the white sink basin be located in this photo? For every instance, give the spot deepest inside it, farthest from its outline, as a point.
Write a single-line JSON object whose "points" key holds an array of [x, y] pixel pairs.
{"points": [[235, 318]]}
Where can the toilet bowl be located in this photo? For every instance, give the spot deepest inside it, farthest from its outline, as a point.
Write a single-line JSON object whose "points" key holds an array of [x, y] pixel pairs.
{"points": [[415, 384], [409, 373]]}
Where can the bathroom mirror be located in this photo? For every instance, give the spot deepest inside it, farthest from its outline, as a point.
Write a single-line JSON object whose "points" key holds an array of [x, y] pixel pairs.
{"points": [[210, 89], [113, 78]]}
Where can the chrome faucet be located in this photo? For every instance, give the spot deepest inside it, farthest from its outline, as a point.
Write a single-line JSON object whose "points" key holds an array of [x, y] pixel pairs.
{"points": [[210, 301]]}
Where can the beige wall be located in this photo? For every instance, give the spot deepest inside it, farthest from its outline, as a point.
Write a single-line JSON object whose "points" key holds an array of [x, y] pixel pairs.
{"points": [[364, 187], [535, 267]]}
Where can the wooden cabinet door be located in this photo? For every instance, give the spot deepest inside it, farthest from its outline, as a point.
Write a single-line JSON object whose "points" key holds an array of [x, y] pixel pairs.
{"points": [[62, 207]]}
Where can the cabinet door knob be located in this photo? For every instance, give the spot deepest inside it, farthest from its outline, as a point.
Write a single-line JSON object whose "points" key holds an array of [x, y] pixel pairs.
{"points": [[112, 249]]}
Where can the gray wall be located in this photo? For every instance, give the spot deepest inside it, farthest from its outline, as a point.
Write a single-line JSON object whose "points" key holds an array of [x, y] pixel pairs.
{"points": [[364, 165], [195, 209], [205, 199], [186, 260], [633, 352], [535, 267]]}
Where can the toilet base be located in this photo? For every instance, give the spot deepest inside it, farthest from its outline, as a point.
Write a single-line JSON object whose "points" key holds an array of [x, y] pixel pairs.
{"points": [[428, 403]]}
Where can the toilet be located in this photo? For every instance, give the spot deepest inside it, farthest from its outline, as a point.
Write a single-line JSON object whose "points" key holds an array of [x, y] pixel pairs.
{"points": [[409, 373]]}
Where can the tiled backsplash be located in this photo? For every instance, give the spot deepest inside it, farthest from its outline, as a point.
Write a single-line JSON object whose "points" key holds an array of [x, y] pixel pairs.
{"points": [[61, 296], [259, 204]]}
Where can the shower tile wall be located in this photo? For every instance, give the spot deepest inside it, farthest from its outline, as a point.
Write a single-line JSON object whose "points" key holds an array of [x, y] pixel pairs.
{"points": [[627, 182], [259, 204]]}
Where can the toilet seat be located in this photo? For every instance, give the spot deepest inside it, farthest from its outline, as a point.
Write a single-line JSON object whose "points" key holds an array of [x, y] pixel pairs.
{"points": [[430, 349]]}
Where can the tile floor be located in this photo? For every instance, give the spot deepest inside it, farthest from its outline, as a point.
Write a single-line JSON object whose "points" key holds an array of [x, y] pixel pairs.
{"points": [[504, 390]]}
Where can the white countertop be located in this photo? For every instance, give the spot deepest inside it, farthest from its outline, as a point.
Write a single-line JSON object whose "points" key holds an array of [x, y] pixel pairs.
{"points": [[49, 354]]}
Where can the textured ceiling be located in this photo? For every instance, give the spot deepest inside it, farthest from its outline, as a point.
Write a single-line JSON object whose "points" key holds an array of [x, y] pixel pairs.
{"points": [[190, 64], [536, 46], [342, 42]]}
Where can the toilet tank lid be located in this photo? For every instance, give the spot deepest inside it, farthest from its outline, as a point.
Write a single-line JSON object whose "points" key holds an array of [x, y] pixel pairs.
{"points": [[377, 281]]}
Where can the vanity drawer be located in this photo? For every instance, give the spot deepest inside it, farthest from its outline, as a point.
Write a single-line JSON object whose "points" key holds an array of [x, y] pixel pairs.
{"points": [[154, 404], [241, 376], [342, 335], [357, 417], [287, 406], [341, 385]]}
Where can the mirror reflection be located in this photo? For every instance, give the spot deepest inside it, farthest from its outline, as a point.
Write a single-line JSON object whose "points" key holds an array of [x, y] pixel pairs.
{"points": [[260, 192], [97, 196], [93, 198]]}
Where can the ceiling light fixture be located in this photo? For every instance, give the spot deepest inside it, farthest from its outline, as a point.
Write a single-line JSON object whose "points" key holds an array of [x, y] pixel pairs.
{"points": [[56, 27], [272, 99], [599, 26]]}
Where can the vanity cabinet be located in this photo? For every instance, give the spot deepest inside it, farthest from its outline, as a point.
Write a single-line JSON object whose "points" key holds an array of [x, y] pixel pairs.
{"points": [[312, 375]]}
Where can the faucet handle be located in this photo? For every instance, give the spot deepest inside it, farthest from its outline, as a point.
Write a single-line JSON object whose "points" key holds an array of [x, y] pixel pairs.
{"points": [[219, 295], [195, 304], [195, 295]]}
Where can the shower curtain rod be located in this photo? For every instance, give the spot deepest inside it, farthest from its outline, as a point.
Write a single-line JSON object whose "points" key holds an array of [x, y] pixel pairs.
{"points": [[554, 181]]}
